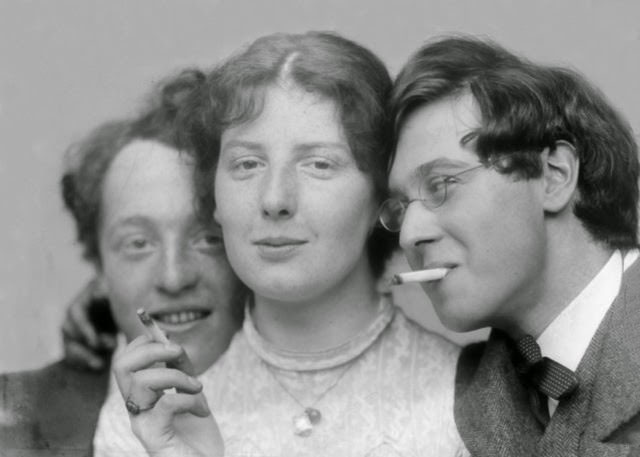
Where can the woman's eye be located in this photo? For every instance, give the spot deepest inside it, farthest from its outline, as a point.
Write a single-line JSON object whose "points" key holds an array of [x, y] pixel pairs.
{"points": [[248, 164], [244, 167], [320, 167]]}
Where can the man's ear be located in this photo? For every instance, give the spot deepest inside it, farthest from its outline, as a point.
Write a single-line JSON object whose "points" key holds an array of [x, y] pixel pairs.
{"points": [[215, 215], [560, 173], [100, 287]]}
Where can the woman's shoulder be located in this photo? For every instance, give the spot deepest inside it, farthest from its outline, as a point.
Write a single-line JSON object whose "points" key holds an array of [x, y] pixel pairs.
{"points": [[425, 344], [238, 354], [420, 368]]}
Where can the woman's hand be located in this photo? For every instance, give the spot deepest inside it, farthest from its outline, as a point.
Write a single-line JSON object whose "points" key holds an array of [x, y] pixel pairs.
{"points": [[88, 332], [166, 423]]}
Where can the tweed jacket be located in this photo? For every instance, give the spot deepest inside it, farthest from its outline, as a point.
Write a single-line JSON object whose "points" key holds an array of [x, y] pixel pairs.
{"points": [[601, 418], [52, 411]]}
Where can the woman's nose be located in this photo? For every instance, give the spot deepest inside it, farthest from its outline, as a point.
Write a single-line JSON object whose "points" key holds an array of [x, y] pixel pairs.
{"points": [[279, 193]]}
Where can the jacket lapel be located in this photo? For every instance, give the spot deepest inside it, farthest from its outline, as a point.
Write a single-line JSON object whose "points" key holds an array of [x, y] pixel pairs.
{"points": [[609, 391], [616, 391], [491, 406]]}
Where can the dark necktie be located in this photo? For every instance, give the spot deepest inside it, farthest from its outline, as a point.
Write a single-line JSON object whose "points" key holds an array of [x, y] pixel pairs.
{"points": [[545, 376]]}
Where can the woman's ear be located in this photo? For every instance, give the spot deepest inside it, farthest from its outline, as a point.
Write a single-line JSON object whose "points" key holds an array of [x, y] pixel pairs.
{"points": [[560, 173]]}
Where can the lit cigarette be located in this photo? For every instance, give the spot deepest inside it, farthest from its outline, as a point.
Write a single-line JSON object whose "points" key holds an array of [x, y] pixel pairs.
{"points": [[153, 330], [432, 274], [157, 335]]}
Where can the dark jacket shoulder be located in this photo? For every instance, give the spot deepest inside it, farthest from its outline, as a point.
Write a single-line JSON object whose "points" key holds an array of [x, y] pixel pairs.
{"points": [[50, 411], [468, 363]]}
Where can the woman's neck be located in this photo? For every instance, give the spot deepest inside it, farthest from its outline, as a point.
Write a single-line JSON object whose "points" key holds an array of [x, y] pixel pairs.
{"points": [[321, 322]]}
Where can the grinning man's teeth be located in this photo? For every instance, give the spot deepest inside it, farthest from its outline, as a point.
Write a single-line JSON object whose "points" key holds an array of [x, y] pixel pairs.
{"points": [[181, 317]]}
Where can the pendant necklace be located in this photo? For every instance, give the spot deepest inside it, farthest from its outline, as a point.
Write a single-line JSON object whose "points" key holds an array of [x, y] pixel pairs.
{"points": [[311, 416]]}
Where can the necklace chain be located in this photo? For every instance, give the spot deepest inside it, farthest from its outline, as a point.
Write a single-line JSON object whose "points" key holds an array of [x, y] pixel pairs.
{"points": [[303, 423], [321, 396]]}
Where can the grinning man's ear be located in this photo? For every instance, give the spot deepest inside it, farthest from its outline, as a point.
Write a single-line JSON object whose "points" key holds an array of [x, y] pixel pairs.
{"points": [[560, 173], [100, 288]]}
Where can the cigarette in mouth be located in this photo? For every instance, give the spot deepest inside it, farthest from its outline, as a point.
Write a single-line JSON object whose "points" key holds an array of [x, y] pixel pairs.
{"points": [[432, 274], [153, 330]]}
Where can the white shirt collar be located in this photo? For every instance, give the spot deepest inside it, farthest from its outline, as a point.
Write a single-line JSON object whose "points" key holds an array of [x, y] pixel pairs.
{"points": [[568, 336]]}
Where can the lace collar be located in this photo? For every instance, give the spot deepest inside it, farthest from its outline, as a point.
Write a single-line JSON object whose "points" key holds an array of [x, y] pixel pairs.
{"points": [[320, 360]]}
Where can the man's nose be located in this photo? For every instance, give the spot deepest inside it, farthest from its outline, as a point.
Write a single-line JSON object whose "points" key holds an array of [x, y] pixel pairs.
{"points": [[420, 226], [178, 270]]}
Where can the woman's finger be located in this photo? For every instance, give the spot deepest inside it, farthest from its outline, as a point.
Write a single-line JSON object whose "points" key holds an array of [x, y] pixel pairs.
{"points": [[179, 424], [139, 341], [147, 385], [143, 354], [193, 423], [172, 404], [182, 363], [139, 355]]}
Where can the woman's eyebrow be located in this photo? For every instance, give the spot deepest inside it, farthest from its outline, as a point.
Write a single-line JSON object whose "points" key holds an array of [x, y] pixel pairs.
{"points": [[310, 146], [246, 144]]}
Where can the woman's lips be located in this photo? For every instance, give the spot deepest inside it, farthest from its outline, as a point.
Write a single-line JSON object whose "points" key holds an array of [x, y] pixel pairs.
{"points": [[278, 248], [278, 241]]}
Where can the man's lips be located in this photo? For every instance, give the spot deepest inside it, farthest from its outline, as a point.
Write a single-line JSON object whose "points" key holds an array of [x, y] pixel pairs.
{"points": [[432, 265], [183, 316]]}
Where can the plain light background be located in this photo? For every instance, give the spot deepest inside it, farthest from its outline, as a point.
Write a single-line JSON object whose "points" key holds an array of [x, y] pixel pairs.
{"points": [[66, 66]]}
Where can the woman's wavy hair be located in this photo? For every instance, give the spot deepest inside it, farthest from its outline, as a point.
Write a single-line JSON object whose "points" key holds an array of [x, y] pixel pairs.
{"points": [[526, 108], [319, 62]]}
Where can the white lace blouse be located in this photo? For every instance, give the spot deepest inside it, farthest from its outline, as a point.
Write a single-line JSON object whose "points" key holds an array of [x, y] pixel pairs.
{"points": [[386, 392]]}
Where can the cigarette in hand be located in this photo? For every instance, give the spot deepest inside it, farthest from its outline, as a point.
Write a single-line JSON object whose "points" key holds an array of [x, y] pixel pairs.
{"points": [[153, 331], [157, 335], [432, 274]]}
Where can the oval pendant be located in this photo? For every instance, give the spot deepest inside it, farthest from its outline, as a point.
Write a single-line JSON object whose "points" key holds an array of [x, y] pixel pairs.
{"points": [[314, 415], [302, 425]]}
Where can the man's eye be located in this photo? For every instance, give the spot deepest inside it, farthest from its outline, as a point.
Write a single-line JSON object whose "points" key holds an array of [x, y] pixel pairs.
{"points": [[212, 239], [208, 240], [137, 243], [437, 184]]}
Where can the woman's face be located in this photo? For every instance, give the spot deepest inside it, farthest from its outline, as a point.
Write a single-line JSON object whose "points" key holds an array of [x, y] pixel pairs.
{"points": [[295, 210]]}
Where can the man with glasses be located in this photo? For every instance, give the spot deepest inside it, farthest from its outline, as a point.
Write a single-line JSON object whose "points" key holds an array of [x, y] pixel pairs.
{"points": [[521, 181]]}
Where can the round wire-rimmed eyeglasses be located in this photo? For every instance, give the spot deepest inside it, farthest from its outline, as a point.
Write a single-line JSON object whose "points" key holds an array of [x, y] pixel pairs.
{"points": [[432, 194]]}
